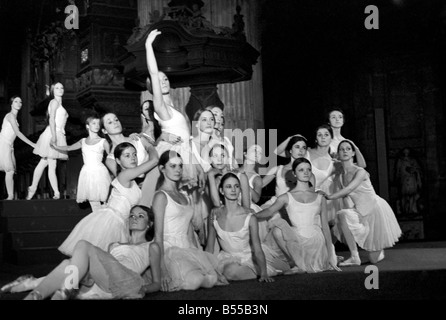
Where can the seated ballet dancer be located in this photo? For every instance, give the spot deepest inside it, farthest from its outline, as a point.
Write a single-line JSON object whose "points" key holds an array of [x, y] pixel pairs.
{"points": [[307, 243], [112, 274], [184, 264], [242, 256]]}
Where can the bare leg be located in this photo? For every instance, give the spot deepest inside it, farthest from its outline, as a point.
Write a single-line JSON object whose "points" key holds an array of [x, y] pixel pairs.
{"points": [[351, 243], [52, 165], [38, 171], [9, 182], [57, 278]]}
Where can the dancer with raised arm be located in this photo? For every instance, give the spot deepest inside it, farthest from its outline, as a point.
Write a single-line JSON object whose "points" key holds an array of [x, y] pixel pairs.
{"points": [[10, 130], [172, 121], [370, 223], [94, 180], [54, 133], [108, 224]]}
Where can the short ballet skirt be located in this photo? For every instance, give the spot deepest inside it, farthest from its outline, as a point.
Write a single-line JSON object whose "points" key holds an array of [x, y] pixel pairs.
{"points": [[181, 261], [93, 183], [7, 158], [375, 231], [101, 228], [43, 148]]}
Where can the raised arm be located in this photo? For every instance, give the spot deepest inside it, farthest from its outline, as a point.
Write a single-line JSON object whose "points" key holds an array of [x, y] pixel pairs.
{"points": [[270, 175], [246, 192], [360, 175], [17, 131], [159, 208], [256, 191], [212, 234], [213, 188], [124, 177], [257, 251], [280, 150], [158, 101]]}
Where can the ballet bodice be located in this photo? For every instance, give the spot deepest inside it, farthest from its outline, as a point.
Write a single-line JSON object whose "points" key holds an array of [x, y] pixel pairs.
{"points": [[7, 133], [134, 257], [176, 125], [234, 242], [122, 199], [305, 216], [322, 176], [61, 118], [92, 154], [177, 218], [363, 197]]}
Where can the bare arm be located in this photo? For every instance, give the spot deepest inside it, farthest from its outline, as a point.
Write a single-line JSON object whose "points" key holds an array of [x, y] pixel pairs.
{"points": [[359, 157], [124, 177], [212, 234], [244, 186], [270, 175], [213, 188], [159, 208], [256, 191], [17, 131], [267, 213], [112, 166], [360, 176], [258, 254], [158, 102], [74, 146], [52, 119], [155, 269], [106, 147], [280, 150]]}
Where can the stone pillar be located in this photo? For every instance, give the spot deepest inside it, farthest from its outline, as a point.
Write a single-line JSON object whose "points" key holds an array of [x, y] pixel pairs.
{"points": [[243, 101]]}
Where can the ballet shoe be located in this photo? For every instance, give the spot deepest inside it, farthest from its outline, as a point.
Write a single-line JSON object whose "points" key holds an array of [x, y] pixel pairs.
{"points": [[34, 295], [56, 196], [340, 259], [375, 258], [18, 285], [31, 193], [62, 294], [293, 270], [10, 198], [352, 261]]}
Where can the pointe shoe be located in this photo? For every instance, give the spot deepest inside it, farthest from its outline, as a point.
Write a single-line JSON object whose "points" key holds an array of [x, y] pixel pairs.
{"points": [[376, 257], [293, 270], [31, 193], [352, 261], [34, 295], [10, 198], [18, 284], [56, 195], [62, 294]]}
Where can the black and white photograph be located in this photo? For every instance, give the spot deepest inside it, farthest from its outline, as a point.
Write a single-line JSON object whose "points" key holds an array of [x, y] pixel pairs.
{"points": [[224, 155]]}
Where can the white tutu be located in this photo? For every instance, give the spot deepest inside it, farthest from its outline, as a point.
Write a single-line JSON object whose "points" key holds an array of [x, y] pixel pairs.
{"points": [[93, 184], [375, 231], [7, 158], [43, 148]]}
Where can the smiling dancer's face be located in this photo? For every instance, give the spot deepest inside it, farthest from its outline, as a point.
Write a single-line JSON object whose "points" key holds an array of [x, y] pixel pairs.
{"points": [[230, 189]]}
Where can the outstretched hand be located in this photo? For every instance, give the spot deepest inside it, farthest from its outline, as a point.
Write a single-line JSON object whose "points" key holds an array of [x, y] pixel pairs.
{"points": [[152, 36]]}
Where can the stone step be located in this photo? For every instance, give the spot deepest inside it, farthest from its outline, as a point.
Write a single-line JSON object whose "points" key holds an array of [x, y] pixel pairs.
{"points": [[32, 223], [43, 207], [38, 255], [37, 238]]}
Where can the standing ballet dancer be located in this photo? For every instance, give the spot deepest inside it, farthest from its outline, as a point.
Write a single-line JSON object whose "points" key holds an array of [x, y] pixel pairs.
{"points": [[10, 130], [94, 180], [54, 133]]}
